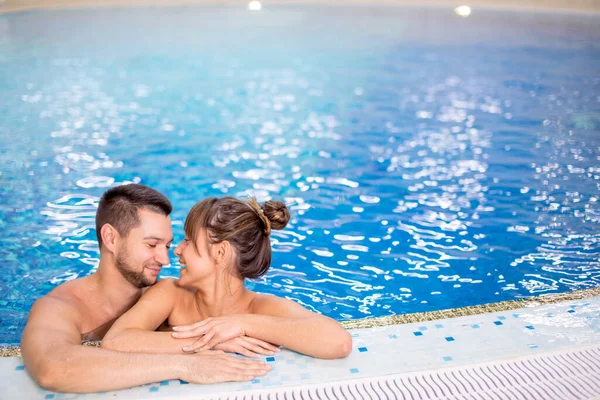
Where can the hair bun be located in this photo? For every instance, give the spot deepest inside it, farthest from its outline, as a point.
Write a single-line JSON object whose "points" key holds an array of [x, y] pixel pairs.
{"points": [[277, 213]]}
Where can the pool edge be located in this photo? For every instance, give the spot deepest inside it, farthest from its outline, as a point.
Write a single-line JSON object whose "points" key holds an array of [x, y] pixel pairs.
{"points": [[15, 350], [562, 6], [471, 310]]}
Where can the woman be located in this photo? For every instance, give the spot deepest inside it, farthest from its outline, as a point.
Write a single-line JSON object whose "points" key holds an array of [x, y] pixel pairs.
{"points": [[226, 241]]}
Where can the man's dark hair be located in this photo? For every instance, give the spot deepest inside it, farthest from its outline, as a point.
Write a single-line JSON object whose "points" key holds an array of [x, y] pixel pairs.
{"points": [[119, 207]]}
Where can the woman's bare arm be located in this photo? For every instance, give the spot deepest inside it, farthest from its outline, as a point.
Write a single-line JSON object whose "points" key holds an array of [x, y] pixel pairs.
{"points": [[134, 331], [278, 321]]}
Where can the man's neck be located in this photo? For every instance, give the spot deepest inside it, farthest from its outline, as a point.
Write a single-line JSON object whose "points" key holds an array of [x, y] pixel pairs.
{"points": [[118, 294]]}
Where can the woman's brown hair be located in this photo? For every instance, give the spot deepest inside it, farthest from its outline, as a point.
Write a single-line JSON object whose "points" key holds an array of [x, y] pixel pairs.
{"points": [[245, 224]]}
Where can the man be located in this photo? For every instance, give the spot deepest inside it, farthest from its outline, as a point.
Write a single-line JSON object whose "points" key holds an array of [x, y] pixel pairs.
{"points": [[134, 232]]}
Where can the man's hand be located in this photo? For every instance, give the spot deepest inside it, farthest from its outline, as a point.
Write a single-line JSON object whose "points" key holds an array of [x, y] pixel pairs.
{"points": [[214, 366], [211, 332], [247, 346]]}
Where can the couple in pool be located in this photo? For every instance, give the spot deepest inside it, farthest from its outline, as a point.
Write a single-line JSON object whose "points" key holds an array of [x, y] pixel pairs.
{"points": [[175, 328]]}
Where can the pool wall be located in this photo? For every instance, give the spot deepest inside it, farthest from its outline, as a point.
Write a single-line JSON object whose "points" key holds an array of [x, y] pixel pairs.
{"points": [[557, 5]]}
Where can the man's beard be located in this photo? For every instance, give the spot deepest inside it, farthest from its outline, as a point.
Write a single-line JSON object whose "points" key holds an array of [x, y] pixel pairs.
{"points": [[137, 279]]}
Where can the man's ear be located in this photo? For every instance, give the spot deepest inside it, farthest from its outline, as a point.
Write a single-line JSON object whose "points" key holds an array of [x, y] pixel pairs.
{"points": [[110, 237]]}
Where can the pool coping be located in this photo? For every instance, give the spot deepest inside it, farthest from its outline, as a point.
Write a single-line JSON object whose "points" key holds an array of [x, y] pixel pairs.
{"points": [[15, 350], [562, 6]]}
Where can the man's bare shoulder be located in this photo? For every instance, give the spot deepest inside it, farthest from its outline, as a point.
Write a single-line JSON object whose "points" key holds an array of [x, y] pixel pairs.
{"points": [[55, 307], [71, 294], [55, 321], [63, 304]]}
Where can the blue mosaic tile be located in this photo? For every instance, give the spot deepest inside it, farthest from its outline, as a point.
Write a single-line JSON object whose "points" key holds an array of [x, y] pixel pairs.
{"points": [[447, 358], [164, 383], [516, 315], [255, 381], [571, 311], [290, 361], [439, 326], [354, 370], [450, 339], [393, 336], [501, 318], [20, 368], [533, 346], [529, 327], [154, 389], [49, 396], [422, 328], [549, 315], [362, 349], [355, 335], [270, 359], [497, 323], [475, 326], [183, 382], [418, 333]]}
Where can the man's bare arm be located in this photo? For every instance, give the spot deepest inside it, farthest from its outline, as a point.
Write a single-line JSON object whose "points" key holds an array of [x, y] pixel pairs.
{"points": [[56, 360]]}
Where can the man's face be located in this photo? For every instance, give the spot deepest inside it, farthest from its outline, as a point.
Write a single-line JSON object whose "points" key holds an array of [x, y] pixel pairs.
{"points": [[141, 255]]}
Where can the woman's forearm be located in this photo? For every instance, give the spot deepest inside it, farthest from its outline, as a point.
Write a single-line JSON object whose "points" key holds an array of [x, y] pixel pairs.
{"points": [[142, 341], [319, 336]]}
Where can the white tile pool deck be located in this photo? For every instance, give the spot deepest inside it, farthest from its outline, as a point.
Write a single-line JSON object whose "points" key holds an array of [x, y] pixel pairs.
{"points": [[380, 351]]}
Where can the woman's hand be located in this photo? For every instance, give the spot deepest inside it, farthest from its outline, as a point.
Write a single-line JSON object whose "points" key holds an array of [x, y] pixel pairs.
{"points": [[247, 346], [211, 332]]}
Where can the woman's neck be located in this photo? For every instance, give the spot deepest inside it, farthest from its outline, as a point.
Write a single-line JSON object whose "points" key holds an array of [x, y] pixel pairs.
{"points": [[222, 295]]}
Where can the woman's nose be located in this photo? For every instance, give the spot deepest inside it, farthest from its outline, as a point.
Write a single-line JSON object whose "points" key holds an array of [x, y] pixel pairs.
{"points": [[177, 250]]}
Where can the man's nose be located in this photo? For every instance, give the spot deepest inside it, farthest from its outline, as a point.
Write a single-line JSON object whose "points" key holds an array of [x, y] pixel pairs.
{"points": [[162, 256]]}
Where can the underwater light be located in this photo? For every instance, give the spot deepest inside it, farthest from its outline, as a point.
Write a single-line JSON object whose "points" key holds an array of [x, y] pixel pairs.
{"points": [[463, 11], [254, 5]]}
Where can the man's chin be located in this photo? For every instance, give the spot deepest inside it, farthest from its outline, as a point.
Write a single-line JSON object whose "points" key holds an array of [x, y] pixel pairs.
{"points": [[151, 282], [148, 279]]}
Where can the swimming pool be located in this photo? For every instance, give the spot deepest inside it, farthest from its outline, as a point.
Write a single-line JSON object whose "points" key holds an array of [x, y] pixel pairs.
{"points": [[430, 161]]}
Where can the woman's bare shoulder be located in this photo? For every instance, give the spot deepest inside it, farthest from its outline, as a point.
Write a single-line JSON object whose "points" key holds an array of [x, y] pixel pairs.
{"points": [[165, 288], [274, 305]]}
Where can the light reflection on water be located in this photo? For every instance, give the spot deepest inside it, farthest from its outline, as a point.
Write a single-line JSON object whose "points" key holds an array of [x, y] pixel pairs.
{"points": [[428, 169]]}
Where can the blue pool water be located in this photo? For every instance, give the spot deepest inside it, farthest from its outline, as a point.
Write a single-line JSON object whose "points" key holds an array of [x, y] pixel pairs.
{"points": [[430, 161]]}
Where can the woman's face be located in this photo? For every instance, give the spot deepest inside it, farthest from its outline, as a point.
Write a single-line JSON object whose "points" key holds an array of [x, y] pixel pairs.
{"points": [[196, 264]]}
